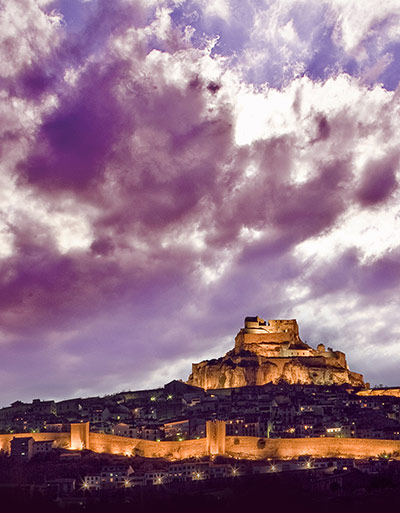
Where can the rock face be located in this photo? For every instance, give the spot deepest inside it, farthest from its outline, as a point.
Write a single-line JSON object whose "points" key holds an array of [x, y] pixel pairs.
{"points": [[272, 352]]}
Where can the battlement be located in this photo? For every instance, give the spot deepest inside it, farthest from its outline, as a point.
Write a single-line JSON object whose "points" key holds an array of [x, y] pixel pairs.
{"points": [[268, 338], [272, 326]]}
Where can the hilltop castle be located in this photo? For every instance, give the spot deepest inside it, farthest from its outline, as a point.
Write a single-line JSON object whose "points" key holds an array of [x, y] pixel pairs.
{"points": [[272, 352]]}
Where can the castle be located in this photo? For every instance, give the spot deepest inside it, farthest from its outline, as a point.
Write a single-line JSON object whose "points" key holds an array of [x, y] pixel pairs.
{"points": [[272, 352]]}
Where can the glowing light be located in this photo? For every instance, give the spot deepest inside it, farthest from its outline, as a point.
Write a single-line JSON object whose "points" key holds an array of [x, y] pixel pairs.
{"points": [[159, 480], [153, 399], [235, 471]]}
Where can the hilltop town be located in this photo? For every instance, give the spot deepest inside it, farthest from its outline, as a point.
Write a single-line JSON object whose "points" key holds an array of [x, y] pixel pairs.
{"points": [[284, 390]]}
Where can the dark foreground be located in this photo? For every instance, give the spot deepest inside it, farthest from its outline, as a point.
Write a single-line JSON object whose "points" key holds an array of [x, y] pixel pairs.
{"points": [[304, 492]]}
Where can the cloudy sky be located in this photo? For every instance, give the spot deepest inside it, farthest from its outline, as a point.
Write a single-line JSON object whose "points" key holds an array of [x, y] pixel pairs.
{"points": [[169, 167]]}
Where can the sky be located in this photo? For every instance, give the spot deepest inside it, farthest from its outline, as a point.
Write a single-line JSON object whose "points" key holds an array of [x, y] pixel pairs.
{"points": [[170, 167]]}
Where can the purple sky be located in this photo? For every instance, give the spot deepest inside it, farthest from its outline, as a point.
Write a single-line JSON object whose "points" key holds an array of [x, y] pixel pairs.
{"points": [[168, 168]]}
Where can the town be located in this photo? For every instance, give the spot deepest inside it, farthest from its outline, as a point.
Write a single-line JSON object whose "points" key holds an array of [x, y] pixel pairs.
{"points": [[179, 412], [296, 411]]}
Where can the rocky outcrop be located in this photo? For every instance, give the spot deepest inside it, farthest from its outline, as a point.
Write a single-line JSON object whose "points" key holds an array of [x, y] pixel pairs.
{"points": [[273, 353]]}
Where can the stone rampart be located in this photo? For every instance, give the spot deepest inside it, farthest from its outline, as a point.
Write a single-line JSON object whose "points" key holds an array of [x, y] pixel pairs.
{"points": [[132, 446], [394, 391], [217, 443], [288, 448], [216, 436], [61, 439], [80, 435]]}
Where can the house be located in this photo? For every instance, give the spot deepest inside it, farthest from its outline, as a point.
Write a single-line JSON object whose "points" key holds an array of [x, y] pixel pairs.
{"points": [[24, 448], [177, 430]]}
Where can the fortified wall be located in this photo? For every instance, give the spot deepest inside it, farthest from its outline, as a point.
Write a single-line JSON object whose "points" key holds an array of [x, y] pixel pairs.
{"points": [[393, 391], [62, 440], [290, 448], [272, 352], [216, 443]]}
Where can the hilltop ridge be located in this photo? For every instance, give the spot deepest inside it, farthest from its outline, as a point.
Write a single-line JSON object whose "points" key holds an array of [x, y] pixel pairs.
{"points": [[273, 352]]}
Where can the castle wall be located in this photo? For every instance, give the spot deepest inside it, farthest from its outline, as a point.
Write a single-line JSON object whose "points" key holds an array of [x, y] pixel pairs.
{"points": [[61, 439], [283, 324], [216, 436], [294, 353], [242, 338], [217, 443], [395, 392], [289, 448], [80, 436], [335, 358], [112, 444]]}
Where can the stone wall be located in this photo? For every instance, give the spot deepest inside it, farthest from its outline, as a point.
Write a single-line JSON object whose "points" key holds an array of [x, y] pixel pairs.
{"points": [[275, 325], [61, 439], [80, 435], [245, 447], [216, 436], [394, 391], [132, 446], [289, 448]]}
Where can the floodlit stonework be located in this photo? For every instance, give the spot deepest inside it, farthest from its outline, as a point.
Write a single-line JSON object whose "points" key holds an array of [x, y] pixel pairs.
{"points": [[273, 352], [216, 443], [378, 392]]}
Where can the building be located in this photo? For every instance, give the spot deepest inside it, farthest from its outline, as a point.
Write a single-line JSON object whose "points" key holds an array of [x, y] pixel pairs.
{"points": [[115, 476], [22, 448], [177, 430], [241, 427]]}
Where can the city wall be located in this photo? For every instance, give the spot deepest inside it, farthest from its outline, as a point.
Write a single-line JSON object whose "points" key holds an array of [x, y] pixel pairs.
{"points": [[131, 446], [61, 439], [216, 443], [289, 448], [393, 391]]}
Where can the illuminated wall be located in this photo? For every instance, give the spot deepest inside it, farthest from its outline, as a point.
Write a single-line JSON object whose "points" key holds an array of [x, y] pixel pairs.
{"points": [[288, 448], [245, 447], [395, 392], [61, 439], [216, 436], [132, 446], [80, 436]]}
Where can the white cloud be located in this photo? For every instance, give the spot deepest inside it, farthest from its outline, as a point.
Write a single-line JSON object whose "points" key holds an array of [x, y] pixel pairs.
{"points": [[17, 19]]}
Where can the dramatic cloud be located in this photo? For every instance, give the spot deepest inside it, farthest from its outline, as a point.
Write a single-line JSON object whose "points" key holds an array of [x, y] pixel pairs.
{"points": [[168, 168]]}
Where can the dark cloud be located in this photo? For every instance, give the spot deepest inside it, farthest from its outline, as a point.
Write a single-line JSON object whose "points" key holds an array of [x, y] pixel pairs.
{"points": [[372, 280], [380, 277], [340, 273], [35, 81], [324, 128], [74, 141], [378, 181]]}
